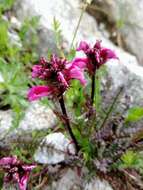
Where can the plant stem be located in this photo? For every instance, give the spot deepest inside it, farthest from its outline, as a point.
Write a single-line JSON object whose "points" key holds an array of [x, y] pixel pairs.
{"points": [[92, 88], [63, 108], [111, 108], [78, 24]]}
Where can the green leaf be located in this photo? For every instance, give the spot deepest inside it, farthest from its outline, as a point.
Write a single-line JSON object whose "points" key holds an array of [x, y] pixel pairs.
{"points": [[6, 4], [129, 158], [134, 114], [71, 54]]}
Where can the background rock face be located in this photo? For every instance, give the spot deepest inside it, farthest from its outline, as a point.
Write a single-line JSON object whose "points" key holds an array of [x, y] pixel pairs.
{"points": [[129, 15], [66, 12]]}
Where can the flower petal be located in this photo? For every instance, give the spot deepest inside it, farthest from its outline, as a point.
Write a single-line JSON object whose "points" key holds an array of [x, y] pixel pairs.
{"points": [[79, 62], [98, 45], [36, 71], [84, 46], [23, 181], [62, 79], [28, 167], [8, 160], [38, 92], [107, 54], [78, 74]]}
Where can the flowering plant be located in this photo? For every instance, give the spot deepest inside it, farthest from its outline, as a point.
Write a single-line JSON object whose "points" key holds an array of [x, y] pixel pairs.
{"points": [[57, 74], [16, 171]]}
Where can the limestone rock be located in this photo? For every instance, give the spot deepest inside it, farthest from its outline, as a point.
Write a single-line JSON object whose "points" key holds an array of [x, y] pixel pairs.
{"points": [[53, 149], [37, 118]]}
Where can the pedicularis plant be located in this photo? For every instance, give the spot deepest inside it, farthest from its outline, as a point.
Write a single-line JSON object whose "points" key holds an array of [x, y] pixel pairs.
{"points": [[57, 74]]}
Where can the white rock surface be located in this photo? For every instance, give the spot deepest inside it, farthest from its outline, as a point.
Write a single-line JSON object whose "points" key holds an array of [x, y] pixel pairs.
{"points": [[53, 149]]}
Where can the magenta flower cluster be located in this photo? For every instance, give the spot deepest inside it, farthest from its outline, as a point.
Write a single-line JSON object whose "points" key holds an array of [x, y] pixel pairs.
{"points": [[17, 171], [96, 56], [58, 72]]}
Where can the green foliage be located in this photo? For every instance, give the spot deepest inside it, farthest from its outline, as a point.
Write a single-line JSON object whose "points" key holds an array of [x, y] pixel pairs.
{"points": [[75, 98], [58, 35], [13, 88], [28, 33], [1, 180], [101, 73], [132, 159], [3, 36], [134, 114], [71, 54], [120, 24], [15, 62], [6, 4]]}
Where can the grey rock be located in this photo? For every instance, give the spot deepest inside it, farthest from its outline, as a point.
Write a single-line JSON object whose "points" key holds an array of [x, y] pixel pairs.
{"points": [[53, 149], [98, 184], [130, 14], [37, 118], [14, 39], [69, 180]]}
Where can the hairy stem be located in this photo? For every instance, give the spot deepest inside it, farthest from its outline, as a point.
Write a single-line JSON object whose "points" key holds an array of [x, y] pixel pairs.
{"points": [[111, 107], [78, 24], [92, 89], [63, 108]]}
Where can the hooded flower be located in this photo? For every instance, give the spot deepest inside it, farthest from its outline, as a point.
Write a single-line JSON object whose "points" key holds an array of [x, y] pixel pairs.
{"points": [[16, 171], [96, 55], [57, 74]]}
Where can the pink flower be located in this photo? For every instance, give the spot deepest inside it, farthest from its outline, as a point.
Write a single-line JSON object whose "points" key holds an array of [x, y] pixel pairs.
{"points": [[57, 74], [16, 171], [37, 92], [96, 56]]}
